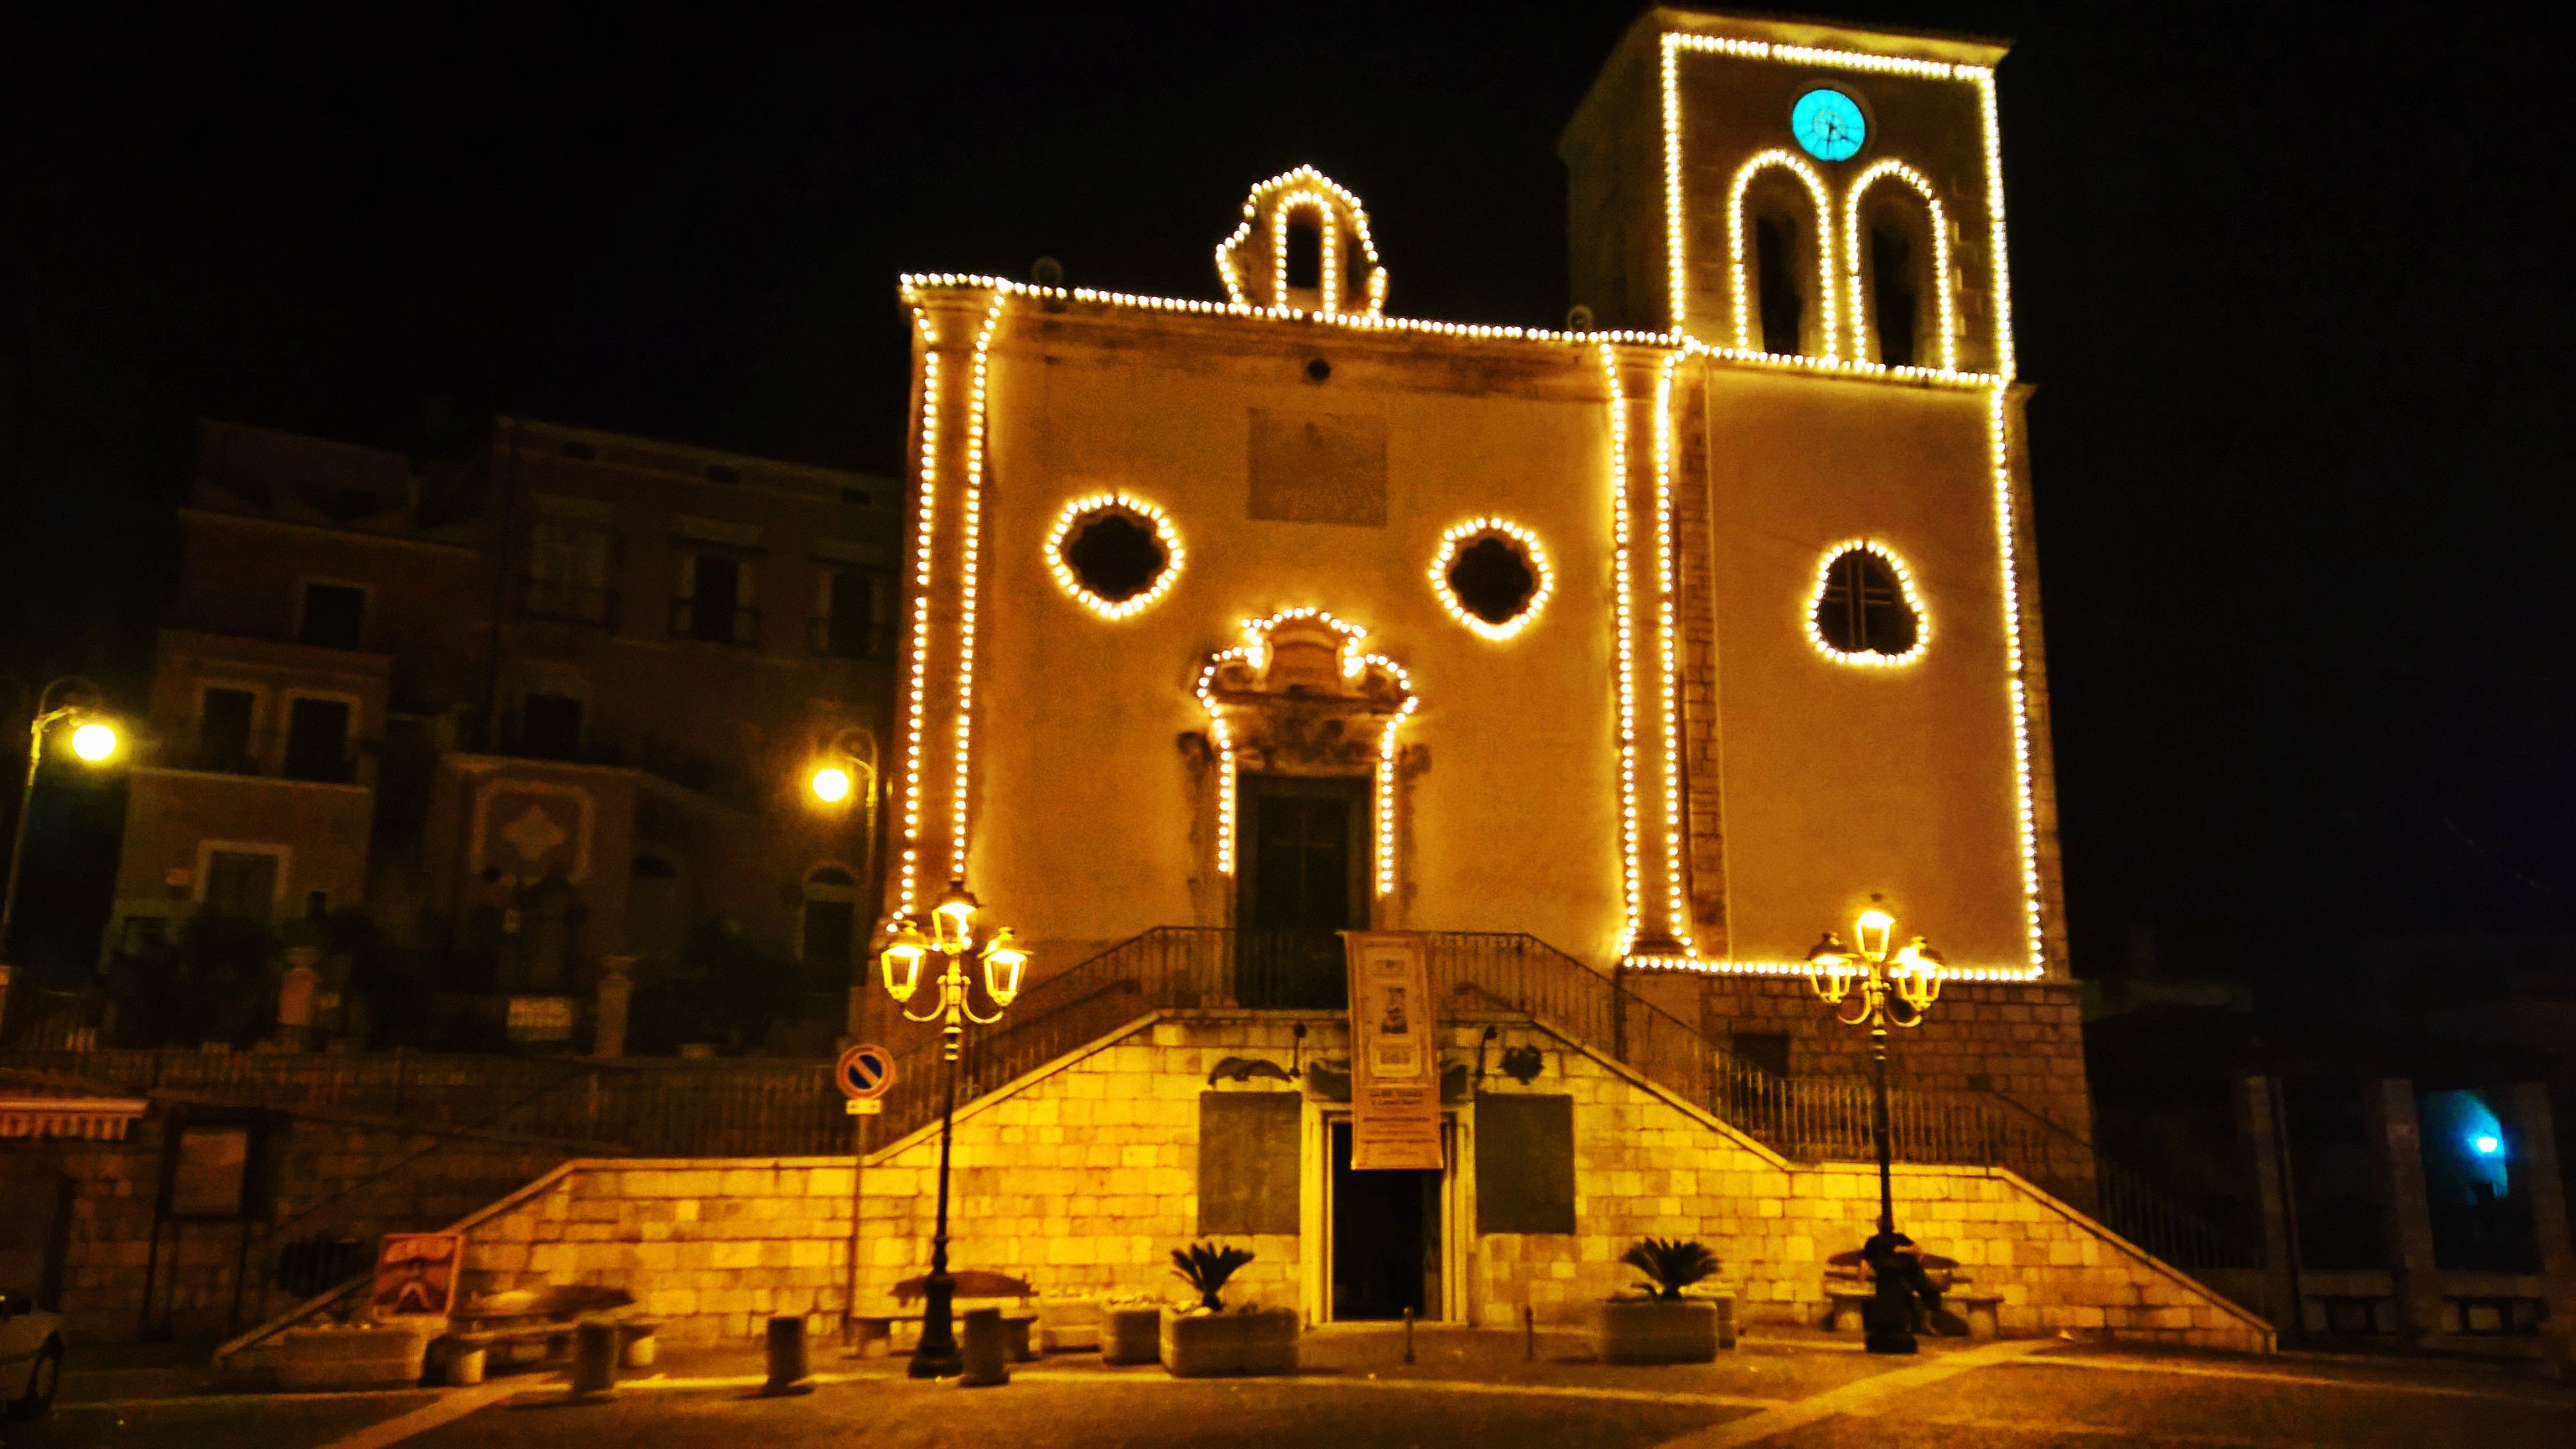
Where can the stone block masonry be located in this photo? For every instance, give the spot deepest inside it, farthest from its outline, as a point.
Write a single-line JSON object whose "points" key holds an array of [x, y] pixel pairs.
{"points": [[1082, 1177]]}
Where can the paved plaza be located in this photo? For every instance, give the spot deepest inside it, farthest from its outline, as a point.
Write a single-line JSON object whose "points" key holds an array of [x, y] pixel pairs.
{"points": [[1799, 1391]]}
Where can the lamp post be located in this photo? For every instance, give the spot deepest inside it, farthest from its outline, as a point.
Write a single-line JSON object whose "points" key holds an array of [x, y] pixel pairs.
{"points": [[955, 933], [1869, 974], [95, 740]]}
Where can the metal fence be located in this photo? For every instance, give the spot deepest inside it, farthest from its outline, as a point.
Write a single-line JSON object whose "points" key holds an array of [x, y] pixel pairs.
{"points": [[644, 1108]]}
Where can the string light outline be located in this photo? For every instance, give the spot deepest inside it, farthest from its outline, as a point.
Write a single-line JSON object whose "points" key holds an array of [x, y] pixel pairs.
{"points": [[1458, 537], [969, 569], [1858, 284], [926, 516], [1624, 612], [1166, 533], [1677, 898], [1865, 658], [1317, 189], [1948, 376], [1963, 381], [1737, 233], [1676, 251], [1255, 652]]}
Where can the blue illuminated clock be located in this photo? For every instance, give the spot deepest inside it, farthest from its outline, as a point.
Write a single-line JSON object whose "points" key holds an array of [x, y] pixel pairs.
{"points": [[1828, 125]]}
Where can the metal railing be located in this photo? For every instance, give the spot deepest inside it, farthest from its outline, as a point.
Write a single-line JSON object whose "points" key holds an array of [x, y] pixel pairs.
{"points": [[1485, 973], [640, 1108]]}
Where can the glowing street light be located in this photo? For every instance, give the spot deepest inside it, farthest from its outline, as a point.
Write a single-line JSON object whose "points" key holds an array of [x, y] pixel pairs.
{"points": [[95, 740], [955, 933], [1870, 975], [830, 784]]}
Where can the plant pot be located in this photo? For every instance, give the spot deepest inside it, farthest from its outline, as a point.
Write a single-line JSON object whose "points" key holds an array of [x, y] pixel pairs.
{"points": [[354, 1357], [1131, 1335], [1657, 1330], [1216, 1345]]}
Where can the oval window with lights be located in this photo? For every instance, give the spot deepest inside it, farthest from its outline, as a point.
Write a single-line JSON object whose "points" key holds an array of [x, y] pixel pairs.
{"points": [[1492, 576], [1864, 609], [1114, 554]]}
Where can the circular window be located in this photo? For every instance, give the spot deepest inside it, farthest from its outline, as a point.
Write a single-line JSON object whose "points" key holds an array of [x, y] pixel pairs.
{"points": [[1864, 610], [1492, 576], [1113, 554], [1828, 124]]}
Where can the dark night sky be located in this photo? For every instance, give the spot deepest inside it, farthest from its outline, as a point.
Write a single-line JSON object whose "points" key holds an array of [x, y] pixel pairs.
{"points": [[2289, 293]]}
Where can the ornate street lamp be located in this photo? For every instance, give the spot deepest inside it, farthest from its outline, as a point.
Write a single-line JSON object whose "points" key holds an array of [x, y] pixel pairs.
{"points": [[95, 740], [1899, 987], [955, 934]]}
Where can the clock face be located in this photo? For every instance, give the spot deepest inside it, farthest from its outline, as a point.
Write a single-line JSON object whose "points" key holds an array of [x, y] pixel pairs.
{"points": [[1828, 125]]}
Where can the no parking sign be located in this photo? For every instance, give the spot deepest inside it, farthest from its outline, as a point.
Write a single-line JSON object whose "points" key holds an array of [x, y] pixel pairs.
{"points": [[864, 1074]]}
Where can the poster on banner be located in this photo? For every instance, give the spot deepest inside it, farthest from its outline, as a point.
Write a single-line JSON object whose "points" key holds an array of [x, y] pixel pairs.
{"points": [[1395, 1055], [416, 1275]]}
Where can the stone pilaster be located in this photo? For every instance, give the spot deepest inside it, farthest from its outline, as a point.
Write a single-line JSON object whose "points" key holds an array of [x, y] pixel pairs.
{"points": [[2397, 1150]]}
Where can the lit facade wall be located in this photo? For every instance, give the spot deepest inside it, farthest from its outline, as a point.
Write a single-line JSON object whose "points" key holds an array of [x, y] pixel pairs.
{"points": [[1667, 768], [1097, 823]]}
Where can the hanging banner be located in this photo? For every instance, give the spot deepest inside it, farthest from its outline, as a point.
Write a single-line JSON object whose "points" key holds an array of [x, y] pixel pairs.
{"points": [[1395, 1054]]}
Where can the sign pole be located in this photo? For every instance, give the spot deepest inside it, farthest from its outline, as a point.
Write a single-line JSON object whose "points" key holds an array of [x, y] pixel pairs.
{"points": [[864, 1074], [858, 1207]]}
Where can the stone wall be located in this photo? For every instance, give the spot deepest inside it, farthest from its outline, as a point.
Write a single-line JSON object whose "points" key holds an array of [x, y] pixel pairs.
{"points": [[358, 1178], [2022, 1040], [1082, 1178]]}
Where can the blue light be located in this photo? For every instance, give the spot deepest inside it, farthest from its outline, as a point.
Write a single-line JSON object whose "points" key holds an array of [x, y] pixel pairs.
{"points": [[1828, 125], [2486, 1144]]}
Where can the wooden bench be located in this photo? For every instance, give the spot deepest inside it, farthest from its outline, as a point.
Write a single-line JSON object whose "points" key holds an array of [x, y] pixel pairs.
{"points": [[544, 1318], [1849, 1286], [871, 1331]]}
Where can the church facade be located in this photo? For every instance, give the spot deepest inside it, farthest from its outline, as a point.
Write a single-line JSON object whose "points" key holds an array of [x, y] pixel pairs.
{"points": [[1670, 641]]}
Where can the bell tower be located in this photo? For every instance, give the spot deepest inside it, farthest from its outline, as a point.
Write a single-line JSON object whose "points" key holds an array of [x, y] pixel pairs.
{"points": [[1794, 187]]}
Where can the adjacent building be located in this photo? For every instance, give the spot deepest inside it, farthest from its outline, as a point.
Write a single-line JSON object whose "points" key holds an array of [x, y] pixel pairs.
{"points": [[546, 711]]}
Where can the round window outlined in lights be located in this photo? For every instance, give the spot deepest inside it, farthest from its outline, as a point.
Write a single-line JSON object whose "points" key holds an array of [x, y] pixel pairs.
{"points": [[1472, 575], [1828, 124], [1115, 554], [1864, 608]]}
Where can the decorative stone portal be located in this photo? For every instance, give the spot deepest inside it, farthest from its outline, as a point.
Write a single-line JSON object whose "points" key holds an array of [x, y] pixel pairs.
{"points": [[1304, 743]]}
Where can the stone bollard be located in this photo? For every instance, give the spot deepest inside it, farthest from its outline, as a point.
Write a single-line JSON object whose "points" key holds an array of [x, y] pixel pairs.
{"points": [[987, 1350], [594, 1360], [788, 1373]]}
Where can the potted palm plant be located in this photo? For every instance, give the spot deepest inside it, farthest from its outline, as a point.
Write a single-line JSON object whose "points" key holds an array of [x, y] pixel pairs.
{"points": [[1660, 1325], [1209, 1339]]}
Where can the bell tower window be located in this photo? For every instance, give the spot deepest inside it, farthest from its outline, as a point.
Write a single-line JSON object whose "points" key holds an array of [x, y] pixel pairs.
{"points": [[1894, 315], [1305, 254], [1775, 271]]}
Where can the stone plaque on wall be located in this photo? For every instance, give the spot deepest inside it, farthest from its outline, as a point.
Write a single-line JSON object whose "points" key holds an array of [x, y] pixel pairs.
{"points": [[1524, 1163], [1319, 468], [1248, 1162]]}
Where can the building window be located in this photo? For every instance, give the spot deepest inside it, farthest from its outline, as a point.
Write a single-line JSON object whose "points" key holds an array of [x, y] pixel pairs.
{"points": [[1775, 272], [845, 624], [829, 931], [1893, 313], [241, 884], [714, 606], [657, 913], [335, 615], [1492, 576], [1306, 254], [317, 740], [568, 572], [1114, 554], [224, 723], [1864, 610], [550, 726]]}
